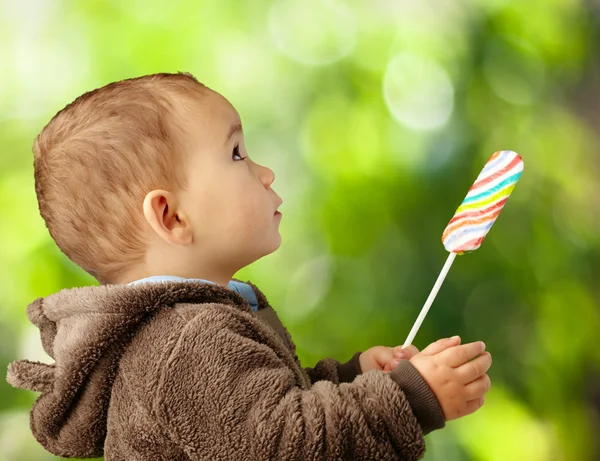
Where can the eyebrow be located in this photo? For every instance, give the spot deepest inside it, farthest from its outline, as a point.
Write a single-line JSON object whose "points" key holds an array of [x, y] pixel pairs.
{"points": [[235, 128]]}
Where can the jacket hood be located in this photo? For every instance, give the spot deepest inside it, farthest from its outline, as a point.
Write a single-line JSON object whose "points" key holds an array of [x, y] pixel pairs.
{"points": [[85, 330]]}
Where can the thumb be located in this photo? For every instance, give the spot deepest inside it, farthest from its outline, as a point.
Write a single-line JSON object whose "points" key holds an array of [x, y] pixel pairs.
{"points": [[441, 345]]}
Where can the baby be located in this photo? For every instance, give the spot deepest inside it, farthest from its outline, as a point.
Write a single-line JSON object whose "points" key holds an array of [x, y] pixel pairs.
{"points": [[147, 185]]}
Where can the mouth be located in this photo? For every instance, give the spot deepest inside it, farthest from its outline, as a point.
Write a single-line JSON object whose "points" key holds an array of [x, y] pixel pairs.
{"points": [[278, 205]]}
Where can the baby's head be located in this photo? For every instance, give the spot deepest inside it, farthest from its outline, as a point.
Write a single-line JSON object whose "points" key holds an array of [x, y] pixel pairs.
{"points": [[150, 176]]}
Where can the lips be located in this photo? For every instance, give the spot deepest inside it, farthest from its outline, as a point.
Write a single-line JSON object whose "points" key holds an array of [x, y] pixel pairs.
{"points": [[278, 205]]}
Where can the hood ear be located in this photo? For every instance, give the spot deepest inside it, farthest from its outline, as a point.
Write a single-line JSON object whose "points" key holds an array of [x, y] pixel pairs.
{"points": [[35, 313], [33, 376]]}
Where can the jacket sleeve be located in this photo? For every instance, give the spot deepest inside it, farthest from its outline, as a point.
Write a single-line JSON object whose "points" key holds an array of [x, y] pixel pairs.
{"points": [[331, 370], [223, 393]]}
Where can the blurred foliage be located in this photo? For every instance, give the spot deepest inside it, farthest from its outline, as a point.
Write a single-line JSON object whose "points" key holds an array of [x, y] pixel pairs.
{"points": [[376, 117]]}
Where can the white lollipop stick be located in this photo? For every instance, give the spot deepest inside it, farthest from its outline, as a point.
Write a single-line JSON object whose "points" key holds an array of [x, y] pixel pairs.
{"points": [[429, 302]]}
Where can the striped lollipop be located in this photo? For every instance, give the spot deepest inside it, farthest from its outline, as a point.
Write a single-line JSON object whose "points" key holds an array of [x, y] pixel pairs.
{"points": [[484, 201], [475, 216]]}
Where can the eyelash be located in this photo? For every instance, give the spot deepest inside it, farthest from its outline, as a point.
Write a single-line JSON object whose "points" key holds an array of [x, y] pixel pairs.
{"points": [[236, 151]]}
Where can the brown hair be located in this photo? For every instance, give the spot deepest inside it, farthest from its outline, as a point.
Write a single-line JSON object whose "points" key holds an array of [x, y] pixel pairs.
{"points": [[96, 160]]}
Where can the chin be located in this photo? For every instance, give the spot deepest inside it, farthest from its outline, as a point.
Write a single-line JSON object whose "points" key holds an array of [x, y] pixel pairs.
{"points": [[261, 251], [272, 245]]}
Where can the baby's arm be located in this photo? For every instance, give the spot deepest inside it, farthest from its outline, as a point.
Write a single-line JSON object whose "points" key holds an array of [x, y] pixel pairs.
{"points": [[224, 395], [330, 369]]}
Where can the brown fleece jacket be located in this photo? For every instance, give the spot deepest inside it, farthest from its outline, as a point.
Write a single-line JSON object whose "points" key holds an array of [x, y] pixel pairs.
{"points": [[187, 371]]}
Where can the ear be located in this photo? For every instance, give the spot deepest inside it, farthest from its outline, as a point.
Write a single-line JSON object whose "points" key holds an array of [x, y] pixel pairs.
{"points": [[160, 210]]}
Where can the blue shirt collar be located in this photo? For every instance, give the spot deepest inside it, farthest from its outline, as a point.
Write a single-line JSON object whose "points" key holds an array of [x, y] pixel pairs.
{"points": [[241, 288]]}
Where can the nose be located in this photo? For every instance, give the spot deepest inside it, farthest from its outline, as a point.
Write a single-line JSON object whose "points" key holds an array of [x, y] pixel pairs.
{"points": [[266, 175]]}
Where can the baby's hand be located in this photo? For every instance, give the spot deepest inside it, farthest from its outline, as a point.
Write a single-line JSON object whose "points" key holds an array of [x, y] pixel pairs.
{"points": [[456, 374], [385, 358]]}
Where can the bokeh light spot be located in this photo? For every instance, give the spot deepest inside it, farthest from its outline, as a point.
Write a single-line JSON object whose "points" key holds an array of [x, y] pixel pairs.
{"points": [[313, 32], [418, 92]]}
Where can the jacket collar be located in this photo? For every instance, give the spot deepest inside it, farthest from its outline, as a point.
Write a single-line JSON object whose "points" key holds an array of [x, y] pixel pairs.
{"points": [[242, 288]]}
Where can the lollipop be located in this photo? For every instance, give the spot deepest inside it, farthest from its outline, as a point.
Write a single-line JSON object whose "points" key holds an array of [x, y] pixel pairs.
{"points": [[475, 216]]}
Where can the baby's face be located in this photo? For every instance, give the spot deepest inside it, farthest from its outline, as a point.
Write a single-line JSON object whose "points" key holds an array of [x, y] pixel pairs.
{"points": [[229, 202]]}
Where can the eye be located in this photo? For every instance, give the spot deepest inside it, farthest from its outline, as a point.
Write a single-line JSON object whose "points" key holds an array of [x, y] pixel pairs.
{"points": [[236, 153]]}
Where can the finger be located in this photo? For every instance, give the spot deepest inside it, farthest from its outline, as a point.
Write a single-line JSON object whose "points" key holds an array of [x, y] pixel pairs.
{"points": [[396, 361], [392, 364], [382, 355], [388, 367], [473, 405], [477, 388], [456, 356], [441, 345], [477, 367], [405, 352]]}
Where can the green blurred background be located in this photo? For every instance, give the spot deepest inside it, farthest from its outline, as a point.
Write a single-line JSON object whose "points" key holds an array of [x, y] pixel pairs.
{"points": [[376, 117]]}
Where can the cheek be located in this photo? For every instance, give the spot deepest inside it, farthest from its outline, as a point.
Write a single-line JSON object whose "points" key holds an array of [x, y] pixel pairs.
{"points": [[235, 206], [250, 216], [217, 199]]}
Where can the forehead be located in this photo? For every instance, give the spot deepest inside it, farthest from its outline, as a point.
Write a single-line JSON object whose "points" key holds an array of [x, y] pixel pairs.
{"points": [[209, 118], [206, 122]]}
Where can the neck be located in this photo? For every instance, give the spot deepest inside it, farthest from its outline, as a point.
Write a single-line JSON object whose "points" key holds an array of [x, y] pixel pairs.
{"points": [[180, 266]]}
